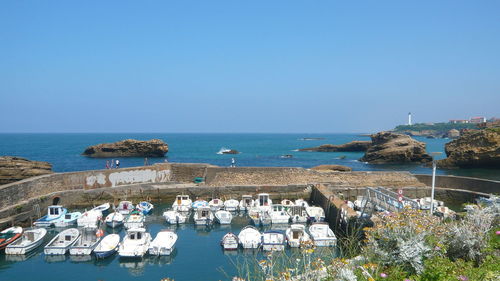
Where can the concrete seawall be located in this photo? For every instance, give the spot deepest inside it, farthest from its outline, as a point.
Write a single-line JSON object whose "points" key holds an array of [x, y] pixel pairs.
{"points": [[465, 183]]}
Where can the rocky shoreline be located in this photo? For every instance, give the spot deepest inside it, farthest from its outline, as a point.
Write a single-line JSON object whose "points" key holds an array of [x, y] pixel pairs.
{"points": [[128, 148], [14, 169]]}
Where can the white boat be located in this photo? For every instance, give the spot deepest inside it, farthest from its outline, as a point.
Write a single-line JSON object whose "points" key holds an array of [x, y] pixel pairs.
{"points": [[203, 216], [279, 215], [273, 241], [10, 235], [134, 220], [29, 241], [54, 212], [68, 219], [125, 207], [259, 216], [114, 219], [246, 202], [200, 203], [315, 214], [135, 244], [297, 214], [174, 217], [322, 235], [287, 203], [425, 203], [301, 202], [231, 205], [60, 244], [250, 237], [145, 207], [104, 208], [84, 245], [360, 203], [216, 204], [90, 219], [182, 203], [163, 244], [229, 241], [108, 246], [296, 235], [223, 216], [263, 201]]}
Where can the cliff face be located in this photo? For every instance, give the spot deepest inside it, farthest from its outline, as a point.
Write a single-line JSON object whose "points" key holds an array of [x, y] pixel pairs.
{"points": [[128, 148], [353, 146], [16, 168], [388, 147], [478, 148]]}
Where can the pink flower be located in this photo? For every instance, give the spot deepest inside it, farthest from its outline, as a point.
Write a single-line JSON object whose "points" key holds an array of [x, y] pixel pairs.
{"points": [[498, 232], [383, 275], [463, 278]]}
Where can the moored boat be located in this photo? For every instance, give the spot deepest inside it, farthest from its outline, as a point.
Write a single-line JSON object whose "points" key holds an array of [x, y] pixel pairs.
{"points": [[287, 203], [135, 244], [84, 245], [145, 207], [182, 203], [9, 235], [216, 204], [263, 201], [301, 202], [163, 244], [29, 241], [134, 220], [231, 205], [199, 204], [273, 241], [322, 235], [223, 217], [60, 244], [246, 203], [203, 216], [296, 235], [108, 246], [279, 215], [297, 214], [104, 208], [250, 237], [174, 217], [68, 219], [229, 241], [125, 207], [315, 214], [54, 212], [90, 219], [114, 220]]}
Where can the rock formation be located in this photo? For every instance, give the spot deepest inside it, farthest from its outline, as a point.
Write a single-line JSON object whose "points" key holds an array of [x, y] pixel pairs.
{"points": [[475, 148], [16, 168], [231, 151], [332, 168], [128, 148], [453, 134], [389, 147], [353, 146]]}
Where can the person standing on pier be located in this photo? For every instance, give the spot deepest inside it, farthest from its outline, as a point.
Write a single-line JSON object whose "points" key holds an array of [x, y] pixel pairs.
{"points": [[117, 163], [233, 162]]}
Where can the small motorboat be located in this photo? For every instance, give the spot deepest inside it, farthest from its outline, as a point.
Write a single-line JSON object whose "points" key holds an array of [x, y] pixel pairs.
{"points": [[322, 235], [246, 202], [29, 241], [174, 217], [279, 215], [297, 214], [301, 202], [229, 241], [134, 220], [223, 216], [254, 214], [54, 213], [182, 203], [135, 244], [216, 204], [108, 246], [68, 219], [60, 244], [114, 220], [200, 203], [315, 214], [250, 237], [10, 235], [203, 216], [287, 203], [231, 205], [163, 244], [296, 235], [125, 207], [85, 244], [263, 201], [273, 241], [90, 219], [259, 217], [145, 207], [104, 208]]}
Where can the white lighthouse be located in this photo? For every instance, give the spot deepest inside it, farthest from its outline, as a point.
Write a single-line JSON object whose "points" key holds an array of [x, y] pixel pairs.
{"points": [[409, 118]]}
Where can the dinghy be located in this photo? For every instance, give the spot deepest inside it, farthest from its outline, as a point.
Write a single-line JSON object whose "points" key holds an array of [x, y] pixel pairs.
{"points": [[203, 216], [54, 213], [145, 207], [125, 207], [229, 241], [174, 217], [114, 220], [231, 205], [273, 241], [301, 202], [216, 204], [279, 215], [223, 217], [68, 219], [60, 244], [134, 220], [200, 203], [297, 214], [163, 244], [315, 214], [10, 235], [182, 203], [322, 235], [29, 241], [84, 245], [249, 237], [135, 244], [246, 203], [296, 235], [104, 208], [108, 246], [90, 219]]}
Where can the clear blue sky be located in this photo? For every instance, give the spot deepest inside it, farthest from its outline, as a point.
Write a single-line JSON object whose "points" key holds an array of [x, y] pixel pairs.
{"points": [[245, 66]]}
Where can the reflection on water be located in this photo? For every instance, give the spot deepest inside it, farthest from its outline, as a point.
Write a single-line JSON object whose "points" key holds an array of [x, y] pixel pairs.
{"points": [[54, 258]]}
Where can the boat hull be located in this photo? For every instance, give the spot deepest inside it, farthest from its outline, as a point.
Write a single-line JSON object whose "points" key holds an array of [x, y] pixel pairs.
{"points": [[52, 251], [104, 254], [230, 246], [114, 224], [273, 247], [21, 250], [161, 251], [325, 242]]}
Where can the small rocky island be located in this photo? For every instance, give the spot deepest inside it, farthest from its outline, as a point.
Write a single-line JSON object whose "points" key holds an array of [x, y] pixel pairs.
{"points": [[353, 146], [329, 168], [230, 151], [16, 168], [128, 148]]}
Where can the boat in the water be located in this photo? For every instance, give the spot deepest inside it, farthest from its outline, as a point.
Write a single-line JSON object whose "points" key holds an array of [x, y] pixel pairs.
{"points": [[108, 246], [145, 207], [135, 219], [259, 217], [10, 235], [199, 204], [54, 212], [114, 220], [231, 205], [163, 244], [85, 244], [301, 202], [315, 214], [29, 241], [60, 244], [174, 217], [250, 237], [223, 217], [68, 219], [246, 203], [297, 214], [203, 216], [322, 235], [90, 219], [182, 203], [297, 236], [229, 241], [125, 207], [263, 201], [273, 241], [135, 244], [216, 204], [279, 215], [104, 208], [287, 203]]}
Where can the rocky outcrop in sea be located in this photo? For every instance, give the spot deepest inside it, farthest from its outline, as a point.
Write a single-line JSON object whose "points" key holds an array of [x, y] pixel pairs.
{"points": [[389, 147], [353, 146], [16, 168], [128, 148], [474, 149], [328, 168]]}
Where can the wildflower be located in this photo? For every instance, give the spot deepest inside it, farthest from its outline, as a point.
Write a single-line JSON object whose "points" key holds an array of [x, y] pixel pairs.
{"points": [[463, 278], [498, 232], [383, 275]]}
